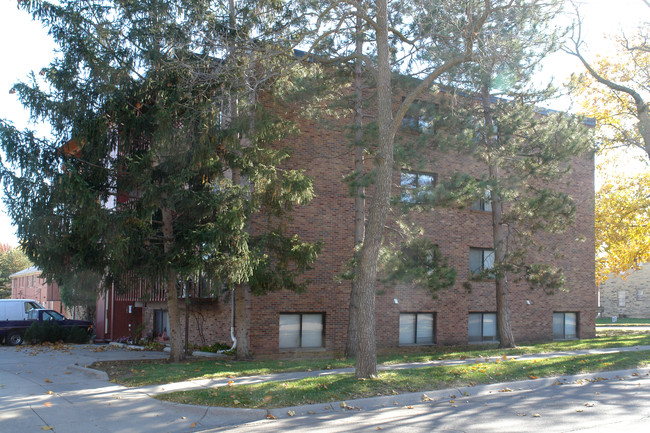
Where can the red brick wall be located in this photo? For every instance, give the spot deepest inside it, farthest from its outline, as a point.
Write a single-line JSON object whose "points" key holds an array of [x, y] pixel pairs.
{"points": [[323, 151], [209, 320]]}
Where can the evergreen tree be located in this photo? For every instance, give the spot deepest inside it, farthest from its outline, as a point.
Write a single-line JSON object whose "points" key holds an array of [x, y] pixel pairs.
{"points": [[161, 154]]}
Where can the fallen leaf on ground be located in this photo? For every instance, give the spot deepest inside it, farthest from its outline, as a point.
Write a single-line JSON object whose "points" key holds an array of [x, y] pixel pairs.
{"points": [[409, 407], [47, 404], [426, 398], [193, 424], [48, 381], [291, 413], [536, 415], [47, 427], [49, 393], [589, 404], [270, 416], [532, 377], [505, 390]]}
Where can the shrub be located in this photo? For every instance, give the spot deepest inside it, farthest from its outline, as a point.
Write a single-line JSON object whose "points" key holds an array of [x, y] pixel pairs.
{"points": [[76, 335], [52, 332]]}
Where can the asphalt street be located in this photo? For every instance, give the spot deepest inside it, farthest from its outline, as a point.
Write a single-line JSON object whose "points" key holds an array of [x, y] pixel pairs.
{"points": [[51, 390]]}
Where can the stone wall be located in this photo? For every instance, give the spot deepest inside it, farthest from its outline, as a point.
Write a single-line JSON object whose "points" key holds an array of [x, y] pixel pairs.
{"points": [[629, 297]]}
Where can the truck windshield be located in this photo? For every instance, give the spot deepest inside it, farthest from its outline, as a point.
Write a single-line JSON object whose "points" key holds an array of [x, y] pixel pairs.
{"points": [[29, 305], [52, 315]]}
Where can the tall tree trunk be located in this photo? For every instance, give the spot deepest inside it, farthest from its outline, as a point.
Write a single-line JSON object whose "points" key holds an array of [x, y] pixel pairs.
{"points": [[177, 353], [359, 194], [506, 338], [242, 320], [366, 365]]}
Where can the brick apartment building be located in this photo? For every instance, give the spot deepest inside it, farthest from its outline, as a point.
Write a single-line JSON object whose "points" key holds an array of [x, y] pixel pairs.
{"points": [[406, 316], [28, 284]]}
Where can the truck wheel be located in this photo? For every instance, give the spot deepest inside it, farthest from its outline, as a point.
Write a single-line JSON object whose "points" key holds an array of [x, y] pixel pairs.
{"points": [[14, 338]]}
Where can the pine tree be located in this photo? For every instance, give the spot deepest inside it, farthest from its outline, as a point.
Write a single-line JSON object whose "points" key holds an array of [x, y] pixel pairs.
{"points": [[162, 153]]}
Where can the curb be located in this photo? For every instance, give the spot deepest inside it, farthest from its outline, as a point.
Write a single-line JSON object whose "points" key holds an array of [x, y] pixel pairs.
{"points": [[91, 372], [449, 395]]}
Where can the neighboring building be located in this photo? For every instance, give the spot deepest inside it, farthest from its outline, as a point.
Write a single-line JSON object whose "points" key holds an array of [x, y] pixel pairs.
{"points": [[629, 297], [28, 284], [406, 316]]}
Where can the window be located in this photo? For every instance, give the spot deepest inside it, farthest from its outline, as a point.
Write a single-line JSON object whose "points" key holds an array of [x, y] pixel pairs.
{"points": [[420, 117], [480, 259], [621, 299], [160, 323], [416, 328], [414, 185], [565, 326], [482, 327], [483, 204], [301, 330], [639, 295]]}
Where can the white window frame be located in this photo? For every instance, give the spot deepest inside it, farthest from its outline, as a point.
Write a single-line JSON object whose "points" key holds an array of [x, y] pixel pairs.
{"points": [[300, 338], [483, 338], [408, 335], [560, 318]]}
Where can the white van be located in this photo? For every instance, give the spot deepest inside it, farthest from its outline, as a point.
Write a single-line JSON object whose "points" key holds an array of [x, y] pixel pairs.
{"points": [[16, 309]]}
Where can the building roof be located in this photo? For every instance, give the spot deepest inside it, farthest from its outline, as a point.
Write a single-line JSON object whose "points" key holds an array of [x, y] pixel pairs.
{"points": [[29, 271]]}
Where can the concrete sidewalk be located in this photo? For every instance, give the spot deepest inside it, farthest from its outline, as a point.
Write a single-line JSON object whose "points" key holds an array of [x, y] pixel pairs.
{"points": [[284, 377], [42, 388]]}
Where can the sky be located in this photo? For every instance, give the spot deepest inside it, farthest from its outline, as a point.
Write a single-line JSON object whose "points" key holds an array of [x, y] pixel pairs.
{"points": [[27, 47]]}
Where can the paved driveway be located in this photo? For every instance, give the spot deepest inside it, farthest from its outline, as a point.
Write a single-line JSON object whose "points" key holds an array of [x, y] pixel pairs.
{"points": [[41, 388]]}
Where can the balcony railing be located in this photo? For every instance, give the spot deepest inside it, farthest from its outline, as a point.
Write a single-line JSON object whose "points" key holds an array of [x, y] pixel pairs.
{"points": [[135, 288]]}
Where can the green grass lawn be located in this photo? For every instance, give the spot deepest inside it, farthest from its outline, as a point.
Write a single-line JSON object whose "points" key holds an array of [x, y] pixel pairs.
{"points": [[341, 387], [139, 373], [626, 321]]}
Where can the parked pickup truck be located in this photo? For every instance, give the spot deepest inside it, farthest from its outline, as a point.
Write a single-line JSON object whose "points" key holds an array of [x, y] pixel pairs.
{"points": [[12, 331]]}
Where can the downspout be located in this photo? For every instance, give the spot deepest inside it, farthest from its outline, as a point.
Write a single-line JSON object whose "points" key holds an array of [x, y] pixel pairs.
{"points": [[232, 323], [232, 320]]}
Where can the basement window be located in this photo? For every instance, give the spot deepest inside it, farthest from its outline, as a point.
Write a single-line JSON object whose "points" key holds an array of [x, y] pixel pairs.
{"points": [[565, 326], [301, 330], [482, 328], [416, 328]]}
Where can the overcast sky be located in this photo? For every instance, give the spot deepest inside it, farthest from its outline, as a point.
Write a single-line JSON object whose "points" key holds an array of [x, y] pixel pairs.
{"points": [[26, 47]]}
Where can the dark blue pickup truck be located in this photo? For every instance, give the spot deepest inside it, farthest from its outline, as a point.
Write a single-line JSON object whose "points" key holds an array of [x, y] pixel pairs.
{"points": [[12, 331]]}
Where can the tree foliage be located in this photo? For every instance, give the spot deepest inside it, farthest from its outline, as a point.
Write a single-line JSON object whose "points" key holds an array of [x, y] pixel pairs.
{"points": [[613, 90], [12, 260], [162, 156], [622, 222]]}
